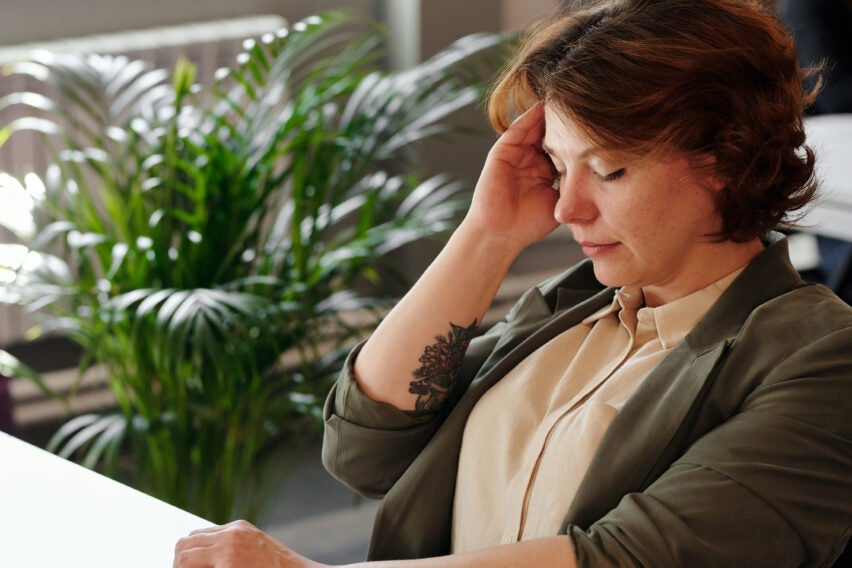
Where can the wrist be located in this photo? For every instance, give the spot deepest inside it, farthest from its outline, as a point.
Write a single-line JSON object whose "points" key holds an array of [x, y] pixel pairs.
{"points": [[499, 248]]}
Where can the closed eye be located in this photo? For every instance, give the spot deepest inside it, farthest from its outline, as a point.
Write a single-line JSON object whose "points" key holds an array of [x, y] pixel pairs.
{"points": [[617, 174], [557, 178]]}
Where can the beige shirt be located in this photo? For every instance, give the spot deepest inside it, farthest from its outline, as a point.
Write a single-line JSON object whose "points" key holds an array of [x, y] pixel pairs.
{"points": [[530, 439]]}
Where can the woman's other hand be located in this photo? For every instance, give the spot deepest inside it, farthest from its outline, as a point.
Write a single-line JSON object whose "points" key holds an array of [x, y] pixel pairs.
{"points": [[236, 545], [514, 197]]}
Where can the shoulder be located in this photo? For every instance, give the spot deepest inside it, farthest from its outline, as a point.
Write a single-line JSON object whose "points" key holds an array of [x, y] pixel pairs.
{"points": [[793, 351], [801, 316], [770, 308], [791, 345]]}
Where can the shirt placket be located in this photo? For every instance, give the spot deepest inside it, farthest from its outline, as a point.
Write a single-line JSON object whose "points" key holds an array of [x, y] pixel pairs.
{"points": [[522, 484]]}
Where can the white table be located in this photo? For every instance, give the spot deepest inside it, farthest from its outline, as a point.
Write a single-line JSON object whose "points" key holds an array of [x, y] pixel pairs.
{"points": [[57, 514], [830, 136]]}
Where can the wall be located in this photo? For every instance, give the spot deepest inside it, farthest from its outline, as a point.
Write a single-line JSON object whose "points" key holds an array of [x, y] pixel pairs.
{"points": [[24, 21], [39, 20]]}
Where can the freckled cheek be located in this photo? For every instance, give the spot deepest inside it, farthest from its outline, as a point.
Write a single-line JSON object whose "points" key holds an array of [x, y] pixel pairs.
{"points": [[643, 222]]}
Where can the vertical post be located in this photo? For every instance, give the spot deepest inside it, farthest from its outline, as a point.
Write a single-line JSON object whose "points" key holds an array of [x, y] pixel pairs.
{"points": [[403, 18]]}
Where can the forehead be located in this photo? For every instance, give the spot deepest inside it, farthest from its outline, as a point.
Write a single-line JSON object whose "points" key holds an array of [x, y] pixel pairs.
{"points": [[564, 136], [566, 139]]}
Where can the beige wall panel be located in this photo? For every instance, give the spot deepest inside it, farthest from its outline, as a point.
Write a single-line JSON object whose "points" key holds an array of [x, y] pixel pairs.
{"points": [[23, 21], [517, 14]]}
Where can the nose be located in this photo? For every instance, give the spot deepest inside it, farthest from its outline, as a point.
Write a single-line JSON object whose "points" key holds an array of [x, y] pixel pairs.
{"points": [[575, 204]]}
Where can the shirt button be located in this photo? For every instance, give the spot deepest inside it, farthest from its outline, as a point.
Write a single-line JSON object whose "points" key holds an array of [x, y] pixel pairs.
{"points": [[508, 540]]}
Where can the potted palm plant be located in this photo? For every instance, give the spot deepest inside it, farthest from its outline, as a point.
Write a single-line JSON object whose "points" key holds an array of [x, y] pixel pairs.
{"points": [[214, 248]]}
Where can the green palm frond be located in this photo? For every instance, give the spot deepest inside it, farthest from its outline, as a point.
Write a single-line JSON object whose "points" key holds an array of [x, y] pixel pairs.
{"points": [[10, 366]]}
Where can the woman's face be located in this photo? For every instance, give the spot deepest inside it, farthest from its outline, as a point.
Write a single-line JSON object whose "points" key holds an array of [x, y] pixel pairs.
{"points": [[642, 223]]}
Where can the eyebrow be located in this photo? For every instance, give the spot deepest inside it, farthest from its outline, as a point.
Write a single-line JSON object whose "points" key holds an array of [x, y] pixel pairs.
{"points": [[588, 151]]}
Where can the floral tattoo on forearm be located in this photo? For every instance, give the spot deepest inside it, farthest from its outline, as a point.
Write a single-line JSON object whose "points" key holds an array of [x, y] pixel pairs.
{"points": [[440, 366]]}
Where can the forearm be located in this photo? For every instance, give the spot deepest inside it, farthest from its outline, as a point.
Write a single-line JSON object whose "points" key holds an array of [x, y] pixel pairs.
{"points": [[512, 207], [551, 552], [456, 290]]}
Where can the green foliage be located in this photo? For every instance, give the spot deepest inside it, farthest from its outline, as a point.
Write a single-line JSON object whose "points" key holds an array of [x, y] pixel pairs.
{"points": [[191, 238]]}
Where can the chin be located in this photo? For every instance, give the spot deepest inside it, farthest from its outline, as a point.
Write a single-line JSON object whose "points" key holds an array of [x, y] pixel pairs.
{"points": [[612, 276]]}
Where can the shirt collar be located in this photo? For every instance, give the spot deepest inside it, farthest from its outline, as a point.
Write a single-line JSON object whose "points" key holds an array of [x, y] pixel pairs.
{"points": [[673, 320]]}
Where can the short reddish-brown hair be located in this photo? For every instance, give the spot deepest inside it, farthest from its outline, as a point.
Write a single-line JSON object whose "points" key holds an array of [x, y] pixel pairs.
{"points": [[705, 78]]}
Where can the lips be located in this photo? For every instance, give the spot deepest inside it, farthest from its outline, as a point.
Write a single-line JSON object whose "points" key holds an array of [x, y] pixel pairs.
{"points": [[592, 250]]}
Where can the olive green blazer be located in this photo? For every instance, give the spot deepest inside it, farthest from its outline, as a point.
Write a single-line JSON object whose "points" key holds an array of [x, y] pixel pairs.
{"points": [[736, 450]]}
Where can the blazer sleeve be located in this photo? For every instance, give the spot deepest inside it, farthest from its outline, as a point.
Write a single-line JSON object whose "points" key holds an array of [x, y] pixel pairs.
{"points": [[367, 444], [770, 486]]}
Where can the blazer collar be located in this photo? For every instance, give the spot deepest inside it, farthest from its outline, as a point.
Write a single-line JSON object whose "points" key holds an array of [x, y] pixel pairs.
{"points": [[769, 275], [541, 314]]}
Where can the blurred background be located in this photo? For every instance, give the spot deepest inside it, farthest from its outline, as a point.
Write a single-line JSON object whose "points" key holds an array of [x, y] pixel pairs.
{"points": [[311, 511]]}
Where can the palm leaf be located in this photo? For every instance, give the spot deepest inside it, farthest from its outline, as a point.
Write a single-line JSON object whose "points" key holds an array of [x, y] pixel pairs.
{"points": [[10, 366]]}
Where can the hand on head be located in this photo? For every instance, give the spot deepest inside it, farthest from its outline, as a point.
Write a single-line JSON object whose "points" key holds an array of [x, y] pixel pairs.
{"points": [[514, 196]]}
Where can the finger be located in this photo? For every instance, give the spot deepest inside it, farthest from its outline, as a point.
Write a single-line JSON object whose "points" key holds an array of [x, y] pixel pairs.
{"points": [[208, 530], [195, 558], [206, 538], [527, 129], [196, 541], [222, 528]]}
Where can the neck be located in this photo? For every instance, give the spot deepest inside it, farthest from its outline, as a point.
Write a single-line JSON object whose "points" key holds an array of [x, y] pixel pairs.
{"points": [[723, 258]]}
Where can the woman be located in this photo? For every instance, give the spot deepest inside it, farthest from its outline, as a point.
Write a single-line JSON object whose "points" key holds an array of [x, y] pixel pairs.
{"points": [[679, 399]]}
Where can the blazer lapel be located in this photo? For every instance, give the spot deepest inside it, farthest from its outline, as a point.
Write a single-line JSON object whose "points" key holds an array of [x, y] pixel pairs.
{"points": [[647, 434], [535, 325]]}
